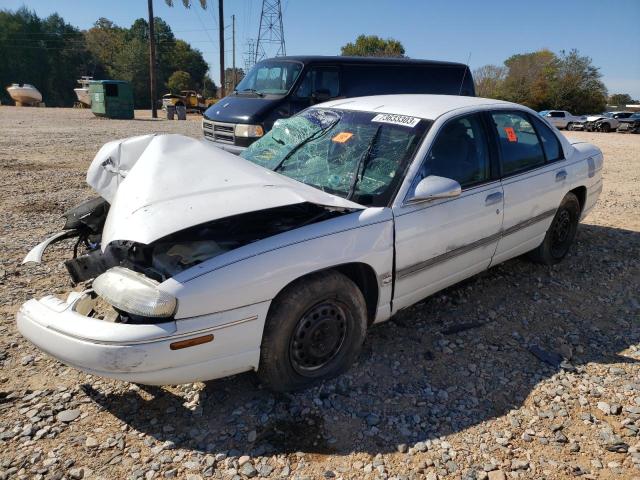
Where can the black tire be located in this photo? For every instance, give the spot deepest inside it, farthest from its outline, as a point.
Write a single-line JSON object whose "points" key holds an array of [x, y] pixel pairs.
{"points": [[314, 330], [569, 126], [605, 127], [561, 233]]}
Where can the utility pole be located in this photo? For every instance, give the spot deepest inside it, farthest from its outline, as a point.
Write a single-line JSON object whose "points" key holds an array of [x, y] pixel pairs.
{"points": [[233, 36], [152, 61], [221, 25]]}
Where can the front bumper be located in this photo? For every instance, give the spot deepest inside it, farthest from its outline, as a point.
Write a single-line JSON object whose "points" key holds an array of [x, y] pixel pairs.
{"points": [[143, 353]]}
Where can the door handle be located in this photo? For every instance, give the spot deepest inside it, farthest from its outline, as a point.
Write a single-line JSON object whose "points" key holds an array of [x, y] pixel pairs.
{"points": [[561, 176], [492, 199]]}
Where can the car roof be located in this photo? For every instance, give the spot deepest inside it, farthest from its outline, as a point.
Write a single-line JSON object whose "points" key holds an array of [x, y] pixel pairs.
{"points": [[415, 105]]}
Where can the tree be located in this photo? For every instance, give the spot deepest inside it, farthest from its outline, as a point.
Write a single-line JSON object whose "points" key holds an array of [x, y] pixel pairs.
{"points": [[179, 81], [529, 78], [576, 85], [209, 88], [229, 77], [48, 53], [488, 81], [373, 46], [620, 99]]}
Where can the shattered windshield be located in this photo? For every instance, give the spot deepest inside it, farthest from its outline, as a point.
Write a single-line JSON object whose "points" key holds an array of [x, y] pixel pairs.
{"points": [[360, 156], [270, 77]]}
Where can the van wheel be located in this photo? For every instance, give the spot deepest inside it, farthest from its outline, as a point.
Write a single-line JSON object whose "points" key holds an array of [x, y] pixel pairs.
{"points": [[561, 233], [314, 330]]}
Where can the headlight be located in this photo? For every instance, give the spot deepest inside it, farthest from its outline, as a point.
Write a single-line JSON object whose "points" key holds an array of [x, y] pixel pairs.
{"points": [[134, 293], [249, 130]]}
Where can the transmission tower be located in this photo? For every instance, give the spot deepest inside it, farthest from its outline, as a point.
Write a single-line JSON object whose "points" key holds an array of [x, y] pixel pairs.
{"points": [[270, 33], [249, 55]]}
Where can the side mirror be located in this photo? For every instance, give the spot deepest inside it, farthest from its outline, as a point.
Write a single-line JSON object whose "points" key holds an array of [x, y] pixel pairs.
{"points": [[434, 187], [320, 95]]}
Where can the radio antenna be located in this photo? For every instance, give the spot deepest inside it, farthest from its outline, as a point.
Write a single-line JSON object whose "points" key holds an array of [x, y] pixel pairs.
{"points": [[465, 73]]}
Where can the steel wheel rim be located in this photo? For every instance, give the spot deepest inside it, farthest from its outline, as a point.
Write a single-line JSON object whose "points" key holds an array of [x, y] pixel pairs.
{"points": [[318, 337], [561, 233]]}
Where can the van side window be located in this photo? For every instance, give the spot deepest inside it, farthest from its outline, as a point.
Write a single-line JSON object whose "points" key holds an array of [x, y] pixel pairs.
{"points": [[324, 79]]}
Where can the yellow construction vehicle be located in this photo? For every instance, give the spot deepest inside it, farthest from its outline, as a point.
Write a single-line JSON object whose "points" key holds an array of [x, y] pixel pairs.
{"points": [[194, 102]]}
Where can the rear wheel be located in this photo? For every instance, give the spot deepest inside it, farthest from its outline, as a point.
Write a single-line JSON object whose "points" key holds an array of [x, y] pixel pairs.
{"points": [[314, 330], [561, 233], [569, 126], [605, 127]]}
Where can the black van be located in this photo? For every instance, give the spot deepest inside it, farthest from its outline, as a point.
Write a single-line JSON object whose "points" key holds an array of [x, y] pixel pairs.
{"points": [[280, 87]]}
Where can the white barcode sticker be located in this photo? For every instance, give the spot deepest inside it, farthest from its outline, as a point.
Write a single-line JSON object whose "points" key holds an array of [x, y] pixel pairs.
{"points": [[403, 120]]}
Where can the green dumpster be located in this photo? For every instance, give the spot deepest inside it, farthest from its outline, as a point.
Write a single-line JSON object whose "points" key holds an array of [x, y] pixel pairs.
{"points": [[111, 99]]}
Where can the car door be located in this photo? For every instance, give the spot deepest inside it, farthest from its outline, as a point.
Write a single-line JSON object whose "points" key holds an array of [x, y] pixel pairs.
{"points": [[533, 173], [441, 242]]}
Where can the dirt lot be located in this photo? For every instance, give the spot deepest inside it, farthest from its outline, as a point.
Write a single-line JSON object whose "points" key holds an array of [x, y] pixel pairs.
{"points": [[448, 389]]}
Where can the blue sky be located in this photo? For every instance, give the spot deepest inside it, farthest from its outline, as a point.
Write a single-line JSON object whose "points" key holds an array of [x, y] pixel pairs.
{"points": [[490, 30]]}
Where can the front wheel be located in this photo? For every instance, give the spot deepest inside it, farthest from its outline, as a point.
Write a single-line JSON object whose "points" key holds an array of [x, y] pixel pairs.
{"points": [[605, 127], [314, 330], [561, 233]]}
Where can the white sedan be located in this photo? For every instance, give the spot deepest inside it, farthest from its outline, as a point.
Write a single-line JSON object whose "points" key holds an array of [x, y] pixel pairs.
{"points": [[195, 264]]}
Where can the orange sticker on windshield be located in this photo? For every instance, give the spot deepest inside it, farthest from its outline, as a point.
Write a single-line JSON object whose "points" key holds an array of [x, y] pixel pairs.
{"points": [[511, 134], [342, 137]]}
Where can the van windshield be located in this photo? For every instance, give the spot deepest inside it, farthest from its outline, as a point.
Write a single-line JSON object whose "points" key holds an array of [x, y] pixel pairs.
{"points": [[271, 77], [360, 156]]}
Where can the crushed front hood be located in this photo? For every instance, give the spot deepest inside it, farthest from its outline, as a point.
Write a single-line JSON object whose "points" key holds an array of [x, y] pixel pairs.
{"points": [[162, 184]]}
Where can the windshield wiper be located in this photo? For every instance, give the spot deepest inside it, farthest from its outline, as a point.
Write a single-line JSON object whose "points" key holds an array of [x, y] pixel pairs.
{"points": [[249, 90], [317, 134], [362, 164]]}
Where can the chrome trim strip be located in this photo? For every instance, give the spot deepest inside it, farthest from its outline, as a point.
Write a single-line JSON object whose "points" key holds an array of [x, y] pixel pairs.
{"points": [[527, 223], [159, 339], [423, 265]]}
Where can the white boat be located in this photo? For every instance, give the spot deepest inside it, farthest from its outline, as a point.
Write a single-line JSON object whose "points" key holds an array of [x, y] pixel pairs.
{"points": [[24, 94], [82, 92]]}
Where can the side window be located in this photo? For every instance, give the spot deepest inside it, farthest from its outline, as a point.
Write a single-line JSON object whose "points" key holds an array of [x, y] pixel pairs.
{"points": [[557, 114], [459, 152], [519, 144], [319, 79], [550, 143]]}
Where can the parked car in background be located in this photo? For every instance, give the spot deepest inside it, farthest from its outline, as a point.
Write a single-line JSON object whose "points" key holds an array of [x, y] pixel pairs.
{"points": [[281, 87], [605, 122], [198, 263], [561, 118], [630, 124]]}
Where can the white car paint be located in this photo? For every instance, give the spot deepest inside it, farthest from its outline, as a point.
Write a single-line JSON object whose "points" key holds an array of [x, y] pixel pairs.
{"points": [[162, 184], [213, 185]]}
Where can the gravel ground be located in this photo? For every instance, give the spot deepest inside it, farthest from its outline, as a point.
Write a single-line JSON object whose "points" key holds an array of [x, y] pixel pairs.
{"points": [[448, 389]]}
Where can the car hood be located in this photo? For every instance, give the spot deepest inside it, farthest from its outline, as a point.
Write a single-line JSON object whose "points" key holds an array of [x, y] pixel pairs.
{"points": [[242, 109], [162, 184]]}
